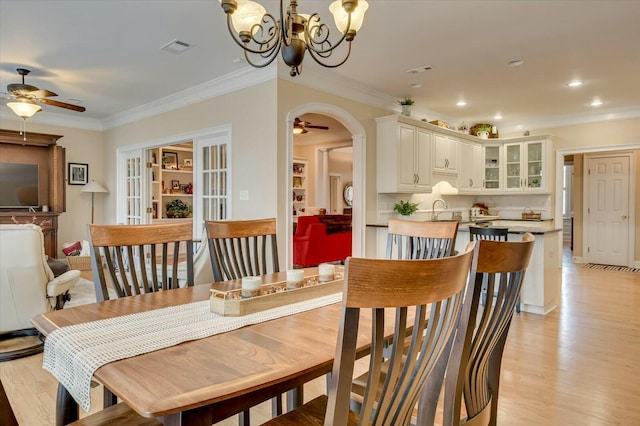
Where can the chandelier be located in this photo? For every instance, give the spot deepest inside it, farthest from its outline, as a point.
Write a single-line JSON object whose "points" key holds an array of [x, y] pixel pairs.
{"points": [[260, 34]]}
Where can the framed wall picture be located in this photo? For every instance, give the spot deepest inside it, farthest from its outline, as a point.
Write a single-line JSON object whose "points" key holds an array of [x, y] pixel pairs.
{"points": [[77, 174], [170, 160]]}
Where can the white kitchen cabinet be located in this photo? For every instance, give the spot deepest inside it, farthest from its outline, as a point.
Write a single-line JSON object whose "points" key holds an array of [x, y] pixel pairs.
{"points": [[525, 166], [470, 173], [445, 154], [492, 167], [403, 157]]}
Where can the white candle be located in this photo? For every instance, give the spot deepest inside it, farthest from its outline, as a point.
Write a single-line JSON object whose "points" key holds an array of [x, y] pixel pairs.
{"points": [[326, 272], [295, 278], [251, 286]]}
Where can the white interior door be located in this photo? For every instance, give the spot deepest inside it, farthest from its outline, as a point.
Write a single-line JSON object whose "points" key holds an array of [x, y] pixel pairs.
{"points": [[607, 210], [213, 180], [132, 180]]}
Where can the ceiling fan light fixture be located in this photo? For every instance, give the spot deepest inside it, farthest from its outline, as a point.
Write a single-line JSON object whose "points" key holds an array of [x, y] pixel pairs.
{"points": [[299, 131], [24, 107]]}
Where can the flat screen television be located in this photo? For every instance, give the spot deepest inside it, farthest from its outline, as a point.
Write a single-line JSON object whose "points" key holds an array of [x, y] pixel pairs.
{"points": [[18, 185]]}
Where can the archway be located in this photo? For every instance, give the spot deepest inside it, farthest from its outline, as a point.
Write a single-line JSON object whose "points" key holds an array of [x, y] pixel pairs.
{"points": [[359, 171]]}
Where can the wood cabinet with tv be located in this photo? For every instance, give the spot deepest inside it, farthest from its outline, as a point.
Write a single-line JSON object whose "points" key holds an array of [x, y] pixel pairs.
{"points": [[41, 150]]}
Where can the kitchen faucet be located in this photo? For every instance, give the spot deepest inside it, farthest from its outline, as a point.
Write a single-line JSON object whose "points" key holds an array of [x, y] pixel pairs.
{"points": [[434, 215]]}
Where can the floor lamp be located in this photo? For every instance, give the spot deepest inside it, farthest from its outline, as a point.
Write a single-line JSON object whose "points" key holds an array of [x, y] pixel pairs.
{"points": [[93, 187]]}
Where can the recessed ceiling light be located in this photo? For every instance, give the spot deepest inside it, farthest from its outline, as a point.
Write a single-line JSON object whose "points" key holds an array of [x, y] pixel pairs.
{"points": [[516, 63], [498, 116], [575, 83], [419, 69], [596, 102], [416, 85], [461, 103], [175, 46]]}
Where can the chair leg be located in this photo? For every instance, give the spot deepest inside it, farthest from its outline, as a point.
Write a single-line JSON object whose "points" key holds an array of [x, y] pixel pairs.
{"points": [[295, 398], [244, 419], [109, 398], [276, 406]]}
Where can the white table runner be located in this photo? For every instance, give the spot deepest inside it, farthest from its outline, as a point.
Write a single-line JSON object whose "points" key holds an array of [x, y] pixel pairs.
{"points": [[73, 353]]}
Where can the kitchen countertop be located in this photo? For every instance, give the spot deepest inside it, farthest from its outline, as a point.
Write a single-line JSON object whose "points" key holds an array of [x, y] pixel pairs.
{"points": [[517, 226]]}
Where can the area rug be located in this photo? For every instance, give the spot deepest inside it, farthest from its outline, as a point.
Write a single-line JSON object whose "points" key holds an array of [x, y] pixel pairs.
{"points": [[609, 267]]}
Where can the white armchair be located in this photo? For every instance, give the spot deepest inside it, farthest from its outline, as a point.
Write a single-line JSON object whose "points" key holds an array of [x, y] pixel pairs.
{"points": [[27, 284]]}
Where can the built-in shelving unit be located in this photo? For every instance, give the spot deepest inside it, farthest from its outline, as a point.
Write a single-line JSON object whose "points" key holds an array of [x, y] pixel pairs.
{"points": [[299, 185], [171, 177]]}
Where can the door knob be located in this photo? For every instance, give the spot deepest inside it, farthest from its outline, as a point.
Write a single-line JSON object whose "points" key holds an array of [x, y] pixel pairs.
{"points": [[624, 216]]}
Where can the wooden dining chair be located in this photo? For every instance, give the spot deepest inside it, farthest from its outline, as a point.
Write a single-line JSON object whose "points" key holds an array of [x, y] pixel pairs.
{"points": [[139, 258], [493, 234], [407, 239], [485, 233], [431, 289], [239, 249], [473, 375], [131, 260], [242, 248]]}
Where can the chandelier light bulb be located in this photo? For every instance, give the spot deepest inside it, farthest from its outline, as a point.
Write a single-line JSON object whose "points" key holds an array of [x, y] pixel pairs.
{"points": [[341, 16], [247, 14]]}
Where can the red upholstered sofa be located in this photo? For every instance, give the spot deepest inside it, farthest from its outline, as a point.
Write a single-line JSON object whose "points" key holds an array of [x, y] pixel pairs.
{"points": [[325, 238]]}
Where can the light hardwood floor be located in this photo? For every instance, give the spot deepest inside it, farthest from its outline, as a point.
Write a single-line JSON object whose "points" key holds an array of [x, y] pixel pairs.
{"points": [[579, 365]]}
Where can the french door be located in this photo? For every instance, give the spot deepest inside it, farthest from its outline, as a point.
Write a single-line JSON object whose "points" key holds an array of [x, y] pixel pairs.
{"points": [[133, 183], [212, 179]]}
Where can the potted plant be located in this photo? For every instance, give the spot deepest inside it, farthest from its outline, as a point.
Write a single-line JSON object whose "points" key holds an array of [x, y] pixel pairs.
{"points": [[406, 208], [482, 131], [178, 208], [406, 105]]}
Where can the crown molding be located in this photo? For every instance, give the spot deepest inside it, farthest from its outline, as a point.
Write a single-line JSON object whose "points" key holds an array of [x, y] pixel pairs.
{"points": [[575, 119], [345, 87], [241, 79], [313, 77]]}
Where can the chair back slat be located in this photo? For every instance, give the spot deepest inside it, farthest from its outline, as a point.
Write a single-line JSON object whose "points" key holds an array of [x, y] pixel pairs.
{"points": [[482, 233], [474, 373], [430, 289], [420, 240], [242, 248], [129, 253]]}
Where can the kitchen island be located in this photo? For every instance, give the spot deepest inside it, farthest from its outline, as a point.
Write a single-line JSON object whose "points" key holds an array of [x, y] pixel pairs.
{"points": [[543, 279]]}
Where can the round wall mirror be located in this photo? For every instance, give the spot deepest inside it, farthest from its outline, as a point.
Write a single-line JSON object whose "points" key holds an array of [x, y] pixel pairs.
{"points": [[348, 194]]}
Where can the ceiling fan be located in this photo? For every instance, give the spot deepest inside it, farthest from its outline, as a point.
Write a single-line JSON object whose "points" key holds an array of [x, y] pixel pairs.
{"points": [[26, 98], [300, 127]]}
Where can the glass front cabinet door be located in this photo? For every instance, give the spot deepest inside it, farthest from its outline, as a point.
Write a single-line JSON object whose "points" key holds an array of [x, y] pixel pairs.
{"points": [[525, 166], [492, 167]]}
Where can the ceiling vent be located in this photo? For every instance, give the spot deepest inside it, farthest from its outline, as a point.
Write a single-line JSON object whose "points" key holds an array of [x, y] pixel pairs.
{"points": [[176, 46]]}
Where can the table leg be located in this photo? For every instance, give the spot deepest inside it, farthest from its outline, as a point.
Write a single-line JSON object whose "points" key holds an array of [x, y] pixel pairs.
{"points": [[66, 407], [196, 417], [295, 398]]}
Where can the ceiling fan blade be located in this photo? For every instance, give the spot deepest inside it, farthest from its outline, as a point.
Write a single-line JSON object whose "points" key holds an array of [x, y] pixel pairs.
{"points": [[62, 105], [21, 88], [42, 93], [312, 126]]}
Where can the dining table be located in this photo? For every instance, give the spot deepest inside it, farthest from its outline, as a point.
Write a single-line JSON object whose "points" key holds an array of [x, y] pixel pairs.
{"points": [[203, 381]]}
